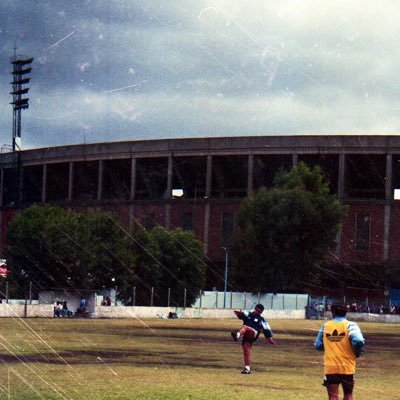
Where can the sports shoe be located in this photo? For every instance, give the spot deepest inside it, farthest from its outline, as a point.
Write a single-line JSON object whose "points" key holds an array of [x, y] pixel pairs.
{"points": [[234, 336], [246, 371]]}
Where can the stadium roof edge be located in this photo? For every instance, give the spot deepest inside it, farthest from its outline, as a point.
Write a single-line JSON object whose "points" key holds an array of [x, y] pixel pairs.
{"points": [[215, 145]]}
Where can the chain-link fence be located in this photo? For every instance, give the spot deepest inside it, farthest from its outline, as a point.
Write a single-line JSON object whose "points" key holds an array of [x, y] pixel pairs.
{"points": [[243, 300]]}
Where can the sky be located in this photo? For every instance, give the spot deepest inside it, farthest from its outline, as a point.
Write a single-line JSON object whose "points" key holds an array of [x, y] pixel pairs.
{"points": [[117, 70]]}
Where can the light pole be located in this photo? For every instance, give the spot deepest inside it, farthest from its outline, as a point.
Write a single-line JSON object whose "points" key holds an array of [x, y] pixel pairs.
{"points": [[21, 70], [226, 274]]}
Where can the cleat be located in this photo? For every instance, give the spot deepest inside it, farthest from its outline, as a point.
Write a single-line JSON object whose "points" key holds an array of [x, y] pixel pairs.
{"points": [[234, 336], [246, 371]]}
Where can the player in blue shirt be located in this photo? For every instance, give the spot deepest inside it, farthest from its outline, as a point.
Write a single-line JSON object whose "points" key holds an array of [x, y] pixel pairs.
{"points": [[253, 325]]}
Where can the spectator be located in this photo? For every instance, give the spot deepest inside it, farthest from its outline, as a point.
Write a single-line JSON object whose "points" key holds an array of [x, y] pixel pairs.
{"points": [[65, 311], [321, 311], [59, 308], [82, 307], [56, 310], [106, 301]]}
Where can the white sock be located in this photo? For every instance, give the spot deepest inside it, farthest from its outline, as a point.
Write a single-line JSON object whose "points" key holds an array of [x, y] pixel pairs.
{"points": [[238, 335], [247, 367]]}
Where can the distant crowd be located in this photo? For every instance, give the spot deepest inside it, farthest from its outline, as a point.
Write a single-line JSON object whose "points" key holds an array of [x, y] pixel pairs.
{"points": [[318, 309], [373, 308], [61, 310]]}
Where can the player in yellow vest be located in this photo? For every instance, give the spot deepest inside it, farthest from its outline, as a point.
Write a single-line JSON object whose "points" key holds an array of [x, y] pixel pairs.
{"points": [[342, 342]]}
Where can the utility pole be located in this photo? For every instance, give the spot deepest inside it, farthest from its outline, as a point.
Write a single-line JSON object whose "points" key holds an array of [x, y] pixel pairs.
{"points": [[226, 274]]}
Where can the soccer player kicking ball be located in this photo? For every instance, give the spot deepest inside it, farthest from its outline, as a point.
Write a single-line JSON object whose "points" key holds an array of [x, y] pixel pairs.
{"points": [[253, 325], [342, 342]]}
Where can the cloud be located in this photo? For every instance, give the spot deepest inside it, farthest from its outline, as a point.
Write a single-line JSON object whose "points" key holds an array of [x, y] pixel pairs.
{"points": [[126, 69]]}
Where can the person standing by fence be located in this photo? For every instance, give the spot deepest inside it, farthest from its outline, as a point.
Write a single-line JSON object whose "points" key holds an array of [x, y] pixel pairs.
{"points": [[82, 307]]}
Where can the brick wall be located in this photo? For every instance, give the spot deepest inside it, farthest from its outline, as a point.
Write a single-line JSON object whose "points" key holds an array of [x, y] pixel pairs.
{"points": [[348, 252]]}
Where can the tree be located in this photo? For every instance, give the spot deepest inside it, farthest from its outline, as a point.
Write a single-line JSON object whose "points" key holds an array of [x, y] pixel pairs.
{"points": [[104, 257], [286, 231], [55, 248], [182, 264], [147, 272], [29, 256]]}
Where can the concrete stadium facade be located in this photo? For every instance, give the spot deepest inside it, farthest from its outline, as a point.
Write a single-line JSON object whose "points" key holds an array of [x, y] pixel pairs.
{"points": [[136, 179]]}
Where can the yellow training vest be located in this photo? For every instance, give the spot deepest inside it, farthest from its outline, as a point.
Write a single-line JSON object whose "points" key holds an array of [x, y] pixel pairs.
{"points": [[339, 357]]}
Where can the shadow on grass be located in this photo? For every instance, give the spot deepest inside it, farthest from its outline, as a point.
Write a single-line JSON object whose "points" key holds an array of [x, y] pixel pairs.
{"points": [[132, 358]]}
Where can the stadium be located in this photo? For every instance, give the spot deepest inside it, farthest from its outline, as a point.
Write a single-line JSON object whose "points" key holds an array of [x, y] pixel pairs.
{"points": [[189, 183]]}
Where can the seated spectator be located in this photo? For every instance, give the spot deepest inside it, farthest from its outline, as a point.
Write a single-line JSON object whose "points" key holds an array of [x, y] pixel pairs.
{"points": [[106, 301], [65, 312], [57, 309]]}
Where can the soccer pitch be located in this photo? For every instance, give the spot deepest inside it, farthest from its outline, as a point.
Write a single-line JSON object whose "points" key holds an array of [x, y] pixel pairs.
{"points": [[179, 359]]}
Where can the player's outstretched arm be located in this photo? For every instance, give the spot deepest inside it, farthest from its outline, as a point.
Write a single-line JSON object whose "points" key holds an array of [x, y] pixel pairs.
{"points": [[266, 329], [240, 314]]}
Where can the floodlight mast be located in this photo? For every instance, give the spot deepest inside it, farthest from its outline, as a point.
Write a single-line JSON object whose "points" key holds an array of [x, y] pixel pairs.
{"points": [[21, 70]]}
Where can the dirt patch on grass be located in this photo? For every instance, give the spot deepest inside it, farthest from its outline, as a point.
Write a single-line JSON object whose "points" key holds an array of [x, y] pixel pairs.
{"points": [[261, 386]]}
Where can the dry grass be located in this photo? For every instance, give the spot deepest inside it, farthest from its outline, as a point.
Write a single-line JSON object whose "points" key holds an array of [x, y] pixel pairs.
{"points": [[178, 359]]}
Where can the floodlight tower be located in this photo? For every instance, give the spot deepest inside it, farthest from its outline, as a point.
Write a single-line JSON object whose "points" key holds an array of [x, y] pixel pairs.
{"points": [[21, 70]]}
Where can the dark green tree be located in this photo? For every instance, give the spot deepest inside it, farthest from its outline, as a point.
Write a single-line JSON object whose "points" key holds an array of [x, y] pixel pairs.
{"points": [[30, 242], [105, 257], [286, 231], [147, 272], [55, 248], [182, 264]]}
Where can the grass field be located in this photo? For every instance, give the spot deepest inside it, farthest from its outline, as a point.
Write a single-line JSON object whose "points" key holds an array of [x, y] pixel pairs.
{"points": [[178, 359]]}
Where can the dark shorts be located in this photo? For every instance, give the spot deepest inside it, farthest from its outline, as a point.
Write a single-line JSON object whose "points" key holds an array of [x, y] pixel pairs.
{"points": [[347, 381]]}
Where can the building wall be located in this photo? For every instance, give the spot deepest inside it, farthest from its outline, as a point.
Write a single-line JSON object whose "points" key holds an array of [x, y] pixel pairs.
{"points": [[135, 180], [197, 210], [215, 250], [46, 311], [394, 253], [348, 246]]}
